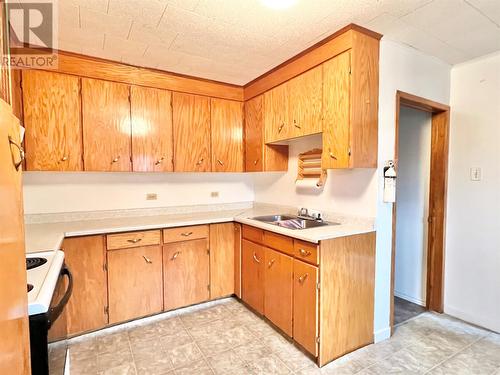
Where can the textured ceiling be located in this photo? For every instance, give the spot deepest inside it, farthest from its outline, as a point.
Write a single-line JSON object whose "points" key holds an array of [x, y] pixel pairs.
{"points": [[237, 40]]}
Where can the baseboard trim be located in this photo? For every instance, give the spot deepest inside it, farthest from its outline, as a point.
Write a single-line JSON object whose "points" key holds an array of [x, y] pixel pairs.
{"points": [[382, 334], [409, 298], [490, 324]]}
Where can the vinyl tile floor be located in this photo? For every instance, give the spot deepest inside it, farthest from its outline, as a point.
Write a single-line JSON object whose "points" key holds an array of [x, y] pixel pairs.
{"points": [[224, 337], [404, 310]]}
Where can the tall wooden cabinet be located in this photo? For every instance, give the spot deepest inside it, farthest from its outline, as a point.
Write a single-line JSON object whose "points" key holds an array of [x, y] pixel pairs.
{"points": [[226, 135], [52, 109], [260, 157], [191, 122], [152, 134], [106, 126]]}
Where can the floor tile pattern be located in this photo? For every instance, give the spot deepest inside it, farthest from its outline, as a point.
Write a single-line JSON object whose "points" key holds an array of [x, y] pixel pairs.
{"points": [[226, 338], [404, 310]]}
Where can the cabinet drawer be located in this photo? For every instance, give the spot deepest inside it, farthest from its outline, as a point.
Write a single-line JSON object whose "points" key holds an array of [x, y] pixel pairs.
{"points": [[132, 239], [253, 234], [195, 232], [306, 251], [279, 242]]}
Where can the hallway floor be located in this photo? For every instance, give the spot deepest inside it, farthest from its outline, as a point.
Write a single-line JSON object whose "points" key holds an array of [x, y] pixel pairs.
{"points": [[405, 310], [226, 338]]}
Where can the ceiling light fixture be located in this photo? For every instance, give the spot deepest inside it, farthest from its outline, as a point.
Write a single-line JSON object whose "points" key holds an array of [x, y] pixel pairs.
{"points": [[278, 4]]}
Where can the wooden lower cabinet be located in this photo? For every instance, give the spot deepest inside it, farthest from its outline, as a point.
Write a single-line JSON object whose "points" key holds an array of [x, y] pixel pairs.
{"points": [[252, 275], [237, 259], [134, 282], [305, 306], [186, 273], [278, 289], [221, 260], [86, 259]]}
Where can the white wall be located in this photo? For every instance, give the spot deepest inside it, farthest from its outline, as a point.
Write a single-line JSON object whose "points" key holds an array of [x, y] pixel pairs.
{"points": [[413, 204], [48, 192], [472, 266], [346, 191], [406, 69]]}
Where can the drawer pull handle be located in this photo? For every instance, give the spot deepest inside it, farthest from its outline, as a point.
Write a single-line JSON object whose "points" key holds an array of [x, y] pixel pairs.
{"points": [[271, 262], [304, 253], [255, 258], [159, 161], [135, 240], [220, 162], [303, 278], [199, 161], [22, 155], [147, 259], [115, 160], [176, 254], [281, 127], [296, 125], [255, 162], [64, 158], [186, 234], [332, 156]]}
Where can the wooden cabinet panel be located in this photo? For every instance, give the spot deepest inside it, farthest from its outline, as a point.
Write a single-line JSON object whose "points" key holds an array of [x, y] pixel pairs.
{"points": [[278, 289], [134, 283], [253, 234], [185, 273], [221, 260], [106, 126], [86, 259], [194, 232], [278, 242], [305, 103], [336, 112], [52, 111], [237, 259], [252, 275], [132, 239], [277, 122], [260, 157], [305, 306], [152, 134], [191, 122], [227, 135]]}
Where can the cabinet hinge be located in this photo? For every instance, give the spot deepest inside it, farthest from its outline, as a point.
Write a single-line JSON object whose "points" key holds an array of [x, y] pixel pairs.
{"points": [[105, 267], [106, 310], [349, 151], [208, 251], [317, 339], [350, 70], [317, 286]]}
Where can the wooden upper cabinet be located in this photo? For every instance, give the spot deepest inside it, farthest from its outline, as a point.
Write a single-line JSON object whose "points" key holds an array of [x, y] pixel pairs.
{"points": [[336, 112], [305, 102], [106, 126], [260, 157], [134, 282], [191, 122], [276, 116], [227, 135], [152, 134], [52, 119], [222, 257]]}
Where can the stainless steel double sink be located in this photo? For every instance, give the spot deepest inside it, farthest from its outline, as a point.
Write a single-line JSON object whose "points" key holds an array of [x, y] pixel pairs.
{"points": [[293, 222]]}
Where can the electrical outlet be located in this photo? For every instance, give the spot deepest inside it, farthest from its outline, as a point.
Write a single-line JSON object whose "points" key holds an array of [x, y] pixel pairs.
{"points": [[214, 194], [151, 196], [475, 174]]}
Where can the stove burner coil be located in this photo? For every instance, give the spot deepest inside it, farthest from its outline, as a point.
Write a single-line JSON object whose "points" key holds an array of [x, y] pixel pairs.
{"points": [[34, 262]]}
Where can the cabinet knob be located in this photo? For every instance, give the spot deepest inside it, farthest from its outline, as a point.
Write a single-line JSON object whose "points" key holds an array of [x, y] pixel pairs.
{"points": [[281, 127], [64, 158], [271, 262], [199, 161], [303, 278], [159, 161], [220, 162], [255, 161], [304, 253], [176, 254], [115, 160], [147, 259], [255, 258]]}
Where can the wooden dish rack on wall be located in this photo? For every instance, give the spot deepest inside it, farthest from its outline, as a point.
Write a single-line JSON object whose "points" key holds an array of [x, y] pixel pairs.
{"points": [[309, 166]]}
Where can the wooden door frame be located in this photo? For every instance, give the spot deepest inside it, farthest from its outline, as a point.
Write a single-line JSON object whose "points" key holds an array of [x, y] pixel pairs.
{"points": [[437, 197]]}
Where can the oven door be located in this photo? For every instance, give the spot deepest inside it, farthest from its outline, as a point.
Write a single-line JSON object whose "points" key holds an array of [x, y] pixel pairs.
{"points": [[57, 334]]}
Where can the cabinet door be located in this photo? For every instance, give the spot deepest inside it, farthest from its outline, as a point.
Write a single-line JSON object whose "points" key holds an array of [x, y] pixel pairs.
{"points": [[152, 135], [191, 121], [305, 103], [86, 259], [278, 289], [106, 126], [277, 126], [336, 112], [237, 259], [305, 306], [134, 282], [185, 273], [221, 260], [227, 135], [252, 275], [52, 111]]}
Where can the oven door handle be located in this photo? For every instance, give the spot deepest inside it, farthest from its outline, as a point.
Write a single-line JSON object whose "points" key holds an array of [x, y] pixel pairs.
{"points": [[55, 312]]}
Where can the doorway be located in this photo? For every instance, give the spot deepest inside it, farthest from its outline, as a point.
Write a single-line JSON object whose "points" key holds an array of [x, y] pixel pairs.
{"points": [[419, 213]]}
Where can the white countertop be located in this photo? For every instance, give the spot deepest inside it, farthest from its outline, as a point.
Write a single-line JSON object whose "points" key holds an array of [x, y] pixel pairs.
{"points": [[49, 236]]}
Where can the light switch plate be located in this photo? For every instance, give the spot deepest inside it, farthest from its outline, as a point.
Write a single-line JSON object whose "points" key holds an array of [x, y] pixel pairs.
{"points": [[475, 174], [151, 196], [214, 194]]}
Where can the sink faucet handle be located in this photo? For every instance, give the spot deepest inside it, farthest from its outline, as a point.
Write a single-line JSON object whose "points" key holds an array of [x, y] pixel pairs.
{"points": [[303, 211]]}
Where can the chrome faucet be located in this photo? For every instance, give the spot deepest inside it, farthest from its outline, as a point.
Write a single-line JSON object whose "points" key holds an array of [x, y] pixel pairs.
{"points": [[314, 215]]}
